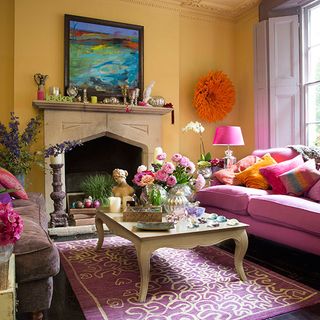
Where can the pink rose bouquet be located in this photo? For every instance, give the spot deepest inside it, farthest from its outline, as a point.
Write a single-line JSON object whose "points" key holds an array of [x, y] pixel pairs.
{"points": [[11, 224]]}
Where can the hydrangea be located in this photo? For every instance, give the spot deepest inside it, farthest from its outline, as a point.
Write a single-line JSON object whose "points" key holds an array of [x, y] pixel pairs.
{"points": [[11, 224]]}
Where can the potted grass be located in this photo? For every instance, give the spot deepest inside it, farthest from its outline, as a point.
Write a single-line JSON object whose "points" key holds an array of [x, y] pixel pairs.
{"points": [[99, 187]]}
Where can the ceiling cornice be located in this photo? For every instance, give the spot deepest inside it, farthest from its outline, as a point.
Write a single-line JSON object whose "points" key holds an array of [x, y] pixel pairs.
{"points": [[200, 9]]}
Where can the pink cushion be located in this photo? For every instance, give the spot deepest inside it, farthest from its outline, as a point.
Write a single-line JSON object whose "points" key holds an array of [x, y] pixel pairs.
{"points": [[293, 212], [9, 181], [278, 154], [314, 192], [301, 179], [272, 173], [230, 198], [227, 176]]}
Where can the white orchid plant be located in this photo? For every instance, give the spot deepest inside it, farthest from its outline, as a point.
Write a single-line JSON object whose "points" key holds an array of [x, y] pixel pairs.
{"points": [[198, 128]]}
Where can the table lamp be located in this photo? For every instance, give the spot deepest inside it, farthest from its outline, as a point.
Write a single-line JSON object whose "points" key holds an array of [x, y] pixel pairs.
{"points": [[228, 136]]}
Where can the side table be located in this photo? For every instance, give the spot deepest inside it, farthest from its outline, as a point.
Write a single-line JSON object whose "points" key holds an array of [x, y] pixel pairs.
{"points": [[8, 290]]}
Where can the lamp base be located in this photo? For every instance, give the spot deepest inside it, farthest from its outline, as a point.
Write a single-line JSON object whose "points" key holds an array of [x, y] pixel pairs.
{"points": [[229, 159]]}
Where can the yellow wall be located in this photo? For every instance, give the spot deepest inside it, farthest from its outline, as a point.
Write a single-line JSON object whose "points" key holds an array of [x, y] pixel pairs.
{"points": [[6, 58], [177, 51]]}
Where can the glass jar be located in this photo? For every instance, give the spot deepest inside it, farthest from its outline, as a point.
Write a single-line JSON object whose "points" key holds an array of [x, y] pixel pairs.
{"points": [[186, 190], [175, 206]]}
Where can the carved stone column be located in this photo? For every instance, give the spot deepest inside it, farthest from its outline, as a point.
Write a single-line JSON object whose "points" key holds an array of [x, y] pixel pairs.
{"points": [[59, 217]]}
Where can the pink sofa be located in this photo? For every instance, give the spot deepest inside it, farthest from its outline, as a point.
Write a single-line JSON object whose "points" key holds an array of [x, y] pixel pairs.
{"points": [[293, 221]]}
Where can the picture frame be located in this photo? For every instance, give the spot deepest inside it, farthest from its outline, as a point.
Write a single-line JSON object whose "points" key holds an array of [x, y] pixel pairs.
{"points": [[101, 56]]}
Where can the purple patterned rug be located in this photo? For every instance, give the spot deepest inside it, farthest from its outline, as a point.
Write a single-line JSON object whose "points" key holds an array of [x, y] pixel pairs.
{"points": [[185, 284]]}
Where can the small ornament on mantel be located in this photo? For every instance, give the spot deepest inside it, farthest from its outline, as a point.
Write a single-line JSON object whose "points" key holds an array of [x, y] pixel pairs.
{"points": [[40, 80]]}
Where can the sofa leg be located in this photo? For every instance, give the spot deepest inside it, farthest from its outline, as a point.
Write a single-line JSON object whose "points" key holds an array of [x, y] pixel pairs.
{"points": [[37, 315]]}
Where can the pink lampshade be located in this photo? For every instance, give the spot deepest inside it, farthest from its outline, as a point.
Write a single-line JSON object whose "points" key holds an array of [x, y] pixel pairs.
{"points": [[228, 136]]}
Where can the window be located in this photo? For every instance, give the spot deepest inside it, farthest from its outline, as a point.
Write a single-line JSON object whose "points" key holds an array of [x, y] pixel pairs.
{"points": [[311, 73]]}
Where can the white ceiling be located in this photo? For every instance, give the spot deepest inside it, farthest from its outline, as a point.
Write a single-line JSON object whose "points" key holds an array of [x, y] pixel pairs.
{"points": [[227, 8]]}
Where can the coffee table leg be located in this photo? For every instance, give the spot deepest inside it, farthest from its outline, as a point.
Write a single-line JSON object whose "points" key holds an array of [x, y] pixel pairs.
{"points": [[99, 227], [143, 256], [240, 251]]}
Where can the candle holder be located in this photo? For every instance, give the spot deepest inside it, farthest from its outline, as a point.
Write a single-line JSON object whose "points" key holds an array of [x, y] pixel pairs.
{"points": [[59, 217]]}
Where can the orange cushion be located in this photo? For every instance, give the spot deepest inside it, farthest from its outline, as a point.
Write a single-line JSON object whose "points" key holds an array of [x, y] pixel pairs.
{"points": [[9, 181], [252, 178]]}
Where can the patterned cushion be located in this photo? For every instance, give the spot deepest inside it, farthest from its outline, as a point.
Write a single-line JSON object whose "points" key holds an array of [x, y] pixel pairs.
{"points": [[9, 181], [272, 173], [252, 178], [228, 176], [301, 179]]}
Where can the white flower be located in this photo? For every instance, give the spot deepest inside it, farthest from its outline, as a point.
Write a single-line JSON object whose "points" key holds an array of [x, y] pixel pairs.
{"points": [[141, 168], [194, 126]]}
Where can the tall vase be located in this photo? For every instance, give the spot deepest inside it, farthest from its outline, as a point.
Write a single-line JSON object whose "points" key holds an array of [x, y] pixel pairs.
{"points": [[21, 178], [5, 252]]}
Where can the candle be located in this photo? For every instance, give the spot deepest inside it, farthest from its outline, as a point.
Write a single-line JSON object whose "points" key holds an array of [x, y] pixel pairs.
{"points": [[156, 152], [58, 159], [94, 99], [115, 204]]}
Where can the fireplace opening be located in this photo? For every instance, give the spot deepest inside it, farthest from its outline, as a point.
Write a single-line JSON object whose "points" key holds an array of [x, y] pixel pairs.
{"points": [[100, 156]]}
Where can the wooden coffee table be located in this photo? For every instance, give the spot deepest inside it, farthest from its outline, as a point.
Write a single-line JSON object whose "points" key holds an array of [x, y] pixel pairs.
{"points": [[146, 242]]}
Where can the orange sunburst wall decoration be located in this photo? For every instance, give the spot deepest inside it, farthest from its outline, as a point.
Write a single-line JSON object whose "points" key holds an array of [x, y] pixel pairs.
{"points": [[214, 96]]}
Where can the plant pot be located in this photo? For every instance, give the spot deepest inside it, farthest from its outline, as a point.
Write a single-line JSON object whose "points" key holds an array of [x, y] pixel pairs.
{"points": [[58, 159]]}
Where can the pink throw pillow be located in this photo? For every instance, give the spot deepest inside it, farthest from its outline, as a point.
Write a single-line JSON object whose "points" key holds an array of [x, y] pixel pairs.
{"points": [[314, 192], [9, 181], [272, 173], [301, 179], [227, 176]]}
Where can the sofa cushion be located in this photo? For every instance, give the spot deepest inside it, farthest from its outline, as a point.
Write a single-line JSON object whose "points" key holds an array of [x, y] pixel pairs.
{"points": [[9, 181], [288, 211], [314, 192], [36, 255], [230, 198], [272, 173], [252, 178], [278, 154], [301, 179]]}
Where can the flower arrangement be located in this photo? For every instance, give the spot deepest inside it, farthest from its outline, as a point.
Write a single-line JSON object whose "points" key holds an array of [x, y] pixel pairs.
{"points": [[198, 128], [167, 174], [214, 96], [15, 153], [60, 148], [11, 225]]}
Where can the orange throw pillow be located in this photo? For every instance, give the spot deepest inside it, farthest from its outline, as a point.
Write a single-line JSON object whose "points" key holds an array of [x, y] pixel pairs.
{"points": [[9, 181], [252, 178]]}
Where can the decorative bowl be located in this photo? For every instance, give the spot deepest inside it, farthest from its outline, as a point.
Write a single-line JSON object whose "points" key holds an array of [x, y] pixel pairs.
{"points": [[196, 211]]}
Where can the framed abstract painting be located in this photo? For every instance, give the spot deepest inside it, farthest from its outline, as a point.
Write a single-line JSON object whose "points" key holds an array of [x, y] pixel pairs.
{"points": [[102, 56]]}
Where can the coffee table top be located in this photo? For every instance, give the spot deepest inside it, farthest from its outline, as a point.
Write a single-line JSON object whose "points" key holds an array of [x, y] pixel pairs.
{"points": [[131, 227]]}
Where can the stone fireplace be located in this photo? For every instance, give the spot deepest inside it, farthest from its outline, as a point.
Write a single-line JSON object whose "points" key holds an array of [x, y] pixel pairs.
{"points": [[140, 128]]}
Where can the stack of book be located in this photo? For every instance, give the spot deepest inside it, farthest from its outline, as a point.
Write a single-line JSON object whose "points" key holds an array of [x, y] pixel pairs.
{"points": [[83, 217]]}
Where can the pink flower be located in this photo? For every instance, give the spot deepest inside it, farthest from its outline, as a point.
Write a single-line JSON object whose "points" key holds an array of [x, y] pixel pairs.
{"points": [[191, 168], [146, 180], [168, 167], [11, 224], [184, 161], [176, 157], [200, 182], [161, 176], [171, 181], [161, 156]]}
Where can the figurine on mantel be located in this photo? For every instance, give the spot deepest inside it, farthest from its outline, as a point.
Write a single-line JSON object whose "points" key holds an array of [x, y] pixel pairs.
{"points": [[122, 189], [147, 92]]}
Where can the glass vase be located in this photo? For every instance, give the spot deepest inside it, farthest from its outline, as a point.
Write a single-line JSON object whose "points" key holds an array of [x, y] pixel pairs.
{"points": [[5, 252], [153, 195], [175, 206]]}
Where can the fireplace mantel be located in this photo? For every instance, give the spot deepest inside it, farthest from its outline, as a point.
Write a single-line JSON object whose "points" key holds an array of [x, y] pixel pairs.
{"points": [[138, 126], [99, 107]]}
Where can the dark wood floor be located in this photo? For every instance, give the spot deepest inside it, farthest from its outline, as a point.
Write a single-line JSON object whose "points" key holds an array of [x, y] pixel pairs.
{"points": [[294, 264]]}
